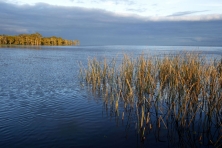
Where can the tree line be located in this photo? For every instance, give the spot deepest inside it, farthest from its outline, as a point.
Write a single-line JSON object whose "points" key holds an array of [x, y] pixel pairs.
{"points": [[36, 39]]}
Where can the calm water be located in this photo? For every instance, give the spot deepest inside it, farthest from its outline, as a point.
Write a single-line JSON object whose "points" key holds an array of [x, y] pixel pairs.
{"points": [[42, 103]]}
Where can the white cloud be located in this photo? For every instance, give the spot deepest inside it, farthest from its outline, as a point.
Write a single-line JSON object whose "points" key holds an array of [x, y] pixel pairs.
{"points": [[207, 17], [212, 5], [174, 1], [144, 7]]}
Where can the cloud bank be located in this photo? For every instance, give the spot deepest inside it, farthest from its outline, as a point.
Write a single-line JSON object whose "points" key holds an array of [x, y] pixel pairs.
{"points": [[99, 27]]}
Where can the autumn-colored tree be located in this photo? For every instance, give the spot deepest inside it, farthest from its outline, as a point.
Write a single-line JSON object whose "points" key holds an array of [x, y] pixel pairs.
{"points": [[1, 39], [10, 39], [36, 39]]}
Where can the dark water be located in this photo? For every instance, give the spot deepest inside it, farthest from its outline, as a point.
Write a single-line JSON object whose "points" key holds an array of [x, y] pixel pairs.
{"points": [[42, 103]]}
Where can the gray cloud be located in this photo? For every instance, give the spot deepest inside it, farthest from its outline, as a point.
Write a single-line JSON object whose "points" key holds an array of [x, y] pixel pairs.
{"points": [[99, 27], [186, 13]]}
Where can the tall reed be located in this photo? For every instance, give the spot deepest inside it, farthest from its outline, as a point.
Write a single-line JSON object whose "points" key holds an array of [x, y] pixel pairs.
{"points": [[183, 89]]}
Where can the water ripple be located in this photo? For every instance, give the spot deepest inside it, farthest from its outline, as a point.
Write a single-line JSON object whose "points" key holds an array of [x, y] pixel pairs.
{"points": [[42, 104]]}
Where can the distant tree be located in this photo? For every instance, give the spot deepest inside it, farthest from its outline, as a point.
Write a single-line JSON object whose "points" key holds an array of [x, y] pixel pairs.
{"points": [[21, 39], [36, 39], [10, 39], [1, 39], [60, 41], [76, 42]]}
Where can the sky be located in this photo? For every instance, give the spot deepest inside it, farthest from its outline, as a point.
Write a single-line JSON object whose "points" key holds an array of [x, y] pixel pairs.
{"points": [[117, 22]]}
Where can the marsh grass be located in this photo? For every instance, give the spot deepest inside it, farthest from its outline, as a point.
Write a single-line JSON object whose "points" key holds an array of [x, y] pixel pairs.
{"points": [[180, 93]]}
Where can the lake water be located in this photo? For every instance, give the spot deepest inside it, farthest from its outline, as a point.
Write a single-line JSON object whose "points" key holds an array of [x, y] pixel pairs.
{"points": [[42, 103]]}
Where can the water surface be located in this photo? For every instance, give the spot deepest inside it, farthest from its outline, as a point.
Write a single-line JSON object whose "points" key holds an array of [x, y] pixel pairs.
{"points": [[42, 103]]}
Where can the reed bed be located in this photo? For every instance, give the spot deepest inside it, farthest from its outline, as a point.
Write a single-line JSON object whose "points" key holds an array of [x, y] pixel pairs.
{"points": [[180, 92]]}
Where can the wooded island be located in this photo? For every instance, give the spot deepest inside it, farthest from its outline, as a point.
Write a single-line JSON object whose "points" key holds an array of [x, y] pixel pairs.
{"points": [[36, 39]]}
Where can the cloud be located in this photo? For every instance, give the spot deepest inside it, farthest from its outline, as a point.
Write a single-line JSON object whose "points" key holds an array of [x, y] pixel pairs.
{"points": [[99, 27], [79, 1], [186, 13], [136, 10], [211, 4], [206, 17], [117, 2]]}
